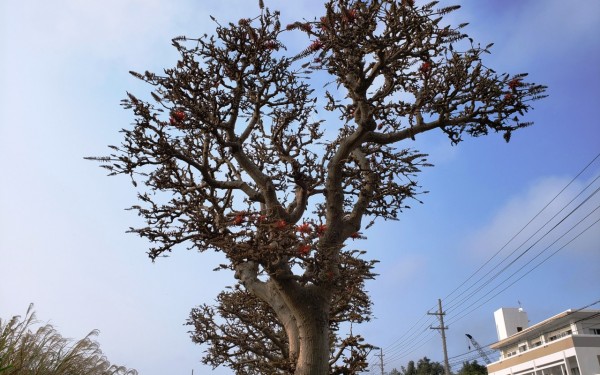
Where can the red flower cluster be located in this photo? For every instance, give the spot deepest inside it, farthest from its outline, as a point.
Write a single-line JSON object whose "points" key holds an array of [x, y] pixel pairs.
{"points": [[280, 224], [306, 27], [321, 228], [425, 67], [324, 23], [304, 249], [177, 117], [508, 97], [349, 15], [514, 83], [304, 228], [271, 45], [238, 219], [315, 46], [244, 22], [356, 235]]}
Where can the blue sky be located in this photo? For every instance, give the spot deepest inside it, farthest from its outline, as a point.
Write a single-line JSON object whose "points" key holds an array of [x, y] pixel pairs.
{"points": [[63, 72]]}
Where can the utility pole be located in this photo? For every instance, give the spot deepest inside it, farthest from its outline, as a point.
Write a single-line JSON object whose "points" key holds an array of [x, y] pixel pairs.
{"points": [[380, 355], [443, 329]]}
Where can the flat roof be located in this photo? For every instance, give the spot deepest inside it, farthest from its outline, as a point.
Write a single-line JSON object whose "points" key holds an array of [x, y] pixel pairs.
{"points": [[548, 324]]}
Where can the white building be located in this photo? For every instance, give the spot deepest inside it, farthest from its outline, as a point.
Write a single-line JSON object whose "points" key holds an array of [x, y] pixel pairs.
{"points": [[565, 344]]}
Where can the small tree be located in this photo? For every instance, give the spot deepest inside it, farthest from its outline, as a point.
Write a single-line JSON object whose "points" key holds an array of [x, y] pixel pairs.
{"points": [[473, 368], [424, 366], [410, 369], [234, 157]]}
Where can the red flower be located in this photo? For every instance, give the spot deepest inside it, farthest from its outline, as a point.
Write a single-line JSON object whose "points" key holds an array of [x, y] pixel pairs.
{"points": [[306, 27], [514, 83], [261, 218], [304, 249], [349, 15], [304, 228], [315, 46], [280, 224], [271, 45], [239, 218], [356, 235], [324, 23], [508, 97], [321, 229], [177, 116], [425, 67]]}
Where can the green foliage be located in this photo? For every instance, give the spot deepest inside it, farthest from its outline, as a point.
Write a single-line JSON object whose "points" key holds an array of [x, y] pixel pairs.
{"points": [[473, 368], [43, 351], [424, 367]]}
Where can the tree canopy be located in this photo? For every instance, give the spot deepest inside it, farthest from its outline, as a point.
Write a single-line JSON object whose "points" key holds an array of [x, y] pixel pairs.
{"points": [[239, 149], [424, 366], [473, 368]]}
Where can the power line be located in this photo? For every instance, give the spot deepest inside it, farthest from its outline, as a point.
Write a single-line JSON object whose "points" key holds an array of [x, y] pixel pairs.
{"points": [[414, 338], [526, 225], [533, 268], [450, 308]]}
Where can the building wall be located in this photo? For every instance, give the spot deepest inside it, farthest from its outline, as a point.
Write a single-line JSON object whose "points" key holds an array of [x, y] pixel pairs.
{"points": [[581, 351], [551, 353], [587, 348], [510, 320]]}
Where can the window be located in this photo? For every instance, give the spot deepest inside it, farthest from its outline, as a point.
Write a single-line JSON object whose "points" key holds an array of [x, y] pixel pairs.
{"points": [[595, 331]]}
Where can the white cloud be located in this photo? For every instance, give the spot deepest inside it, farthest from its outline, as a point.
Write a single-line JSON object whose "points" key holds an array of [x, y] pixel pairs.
{"points": [[519, 210], [537, 247], [529, 33]]}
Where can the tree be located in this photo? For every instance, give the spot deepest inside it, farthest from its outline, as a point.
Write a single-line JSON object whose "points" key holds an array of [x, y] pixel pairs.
{"points": [[234, 158], [473, 368], [410, 369], [424, 367], [248, 337], [24, 350]]}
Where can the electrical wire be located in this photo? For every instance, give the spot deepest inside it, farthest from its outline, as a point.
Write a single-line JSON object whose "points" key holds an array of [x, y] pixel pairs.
{"points": [[538, 327], [533, 268], [525, 226], [451, 306], [411, 340]]}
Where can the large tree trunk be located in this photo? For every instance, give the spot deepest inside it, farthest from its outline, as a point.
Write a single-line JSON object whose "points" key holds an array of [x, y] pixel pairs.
{"points": [[304, 313], [310, 306], [313, 358]]}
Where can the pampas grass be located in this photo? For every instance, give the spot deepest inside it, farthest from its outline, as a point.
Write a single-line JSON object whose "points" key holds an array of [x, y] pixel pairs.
{"points": [[27, 350]]}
